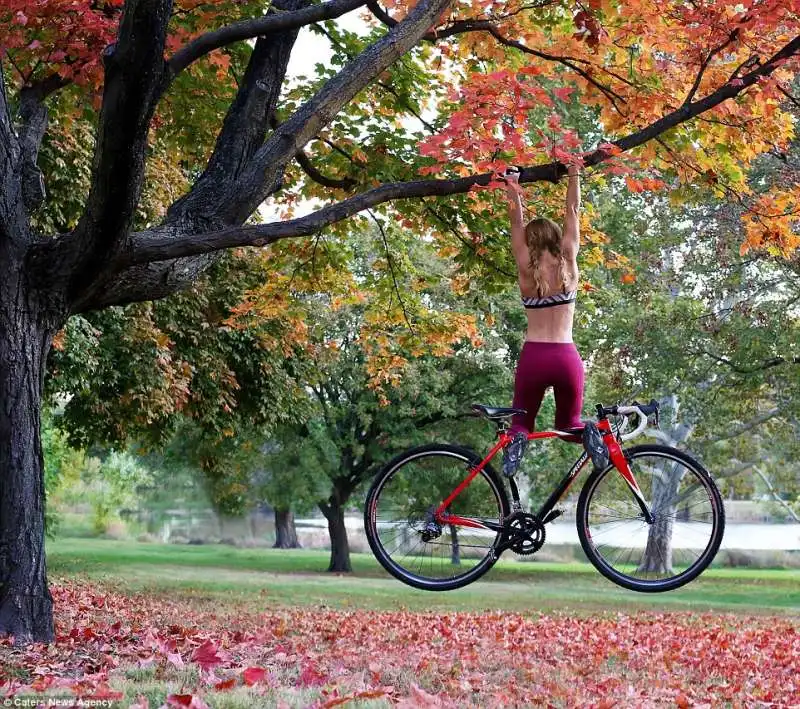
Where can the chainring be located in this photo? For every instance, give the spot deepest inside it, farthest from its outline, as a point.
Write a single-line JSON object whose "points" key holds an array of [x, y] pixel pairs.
{"points": [[528, 532]]}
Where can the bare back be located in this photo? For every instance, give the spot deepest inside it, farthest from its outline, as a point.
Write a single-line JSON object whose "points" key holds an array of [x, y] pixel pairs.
{"points": [[552, 324]]}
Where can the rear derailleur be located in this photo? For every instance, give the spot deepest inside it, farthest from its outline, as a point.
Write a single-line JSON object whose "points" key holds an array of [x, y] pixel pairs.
{"points": [[431, 529]]}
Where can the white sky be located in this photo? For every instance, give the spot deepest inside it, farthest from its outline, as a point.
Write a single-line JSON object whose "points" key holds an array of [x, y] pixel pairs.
{"points": [[311, 48]]}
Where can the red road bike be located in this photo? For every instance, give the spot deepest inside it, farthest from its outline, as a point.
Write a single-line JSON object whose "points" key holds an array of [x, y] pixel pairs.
{"points": [[438, 516]]}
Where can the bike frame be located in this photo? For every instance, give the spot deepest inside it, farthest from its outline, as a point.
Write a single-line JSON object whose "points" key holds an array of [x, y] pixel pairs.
{"points": [[616, 455]]}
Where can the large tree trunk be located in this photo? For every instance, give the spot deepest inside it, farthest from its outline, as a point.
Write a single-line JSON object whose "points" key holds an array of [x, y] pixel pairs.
{"points": [[26, 608], [340, 547], [285, 531]]}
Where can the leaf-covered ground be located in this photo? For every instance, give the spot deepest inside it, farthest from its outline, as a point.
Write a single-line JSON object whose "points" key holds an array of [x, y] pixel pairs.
{"points": [[150, 651]]}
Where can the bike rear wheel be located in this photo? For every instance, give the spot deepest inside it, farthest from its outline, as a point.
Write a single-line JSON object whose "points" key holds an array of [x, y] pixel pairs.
{"points": [[398, 517], [683, 538]]}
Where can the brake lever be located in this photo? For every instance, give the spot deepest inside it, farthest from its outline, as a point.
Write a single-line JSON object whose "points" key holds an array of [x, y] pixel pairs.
{"points": [[655, 413]]}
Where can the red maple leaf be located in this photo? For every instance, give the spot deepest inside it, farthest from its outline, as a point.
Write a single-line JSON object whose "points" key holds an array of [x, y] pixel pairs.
{"points": [[310, 676], [254, 675], [206, 655]]}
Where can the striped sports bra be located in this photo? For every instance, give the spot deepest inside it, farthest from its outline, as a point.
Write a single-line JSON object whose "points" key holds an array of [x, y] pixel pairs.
{"points": [[550, 300]]}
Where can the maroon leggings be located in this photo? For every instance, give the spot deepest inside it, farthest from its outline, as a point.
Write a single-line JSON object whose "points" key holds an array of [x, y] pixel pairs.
{"points": [[545, 364]]}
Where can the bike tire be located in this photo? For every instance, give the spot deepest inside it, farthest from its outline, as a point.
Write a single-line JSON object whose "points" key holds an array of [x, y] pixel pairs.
{"points": [[626, 533], [402, 485]]}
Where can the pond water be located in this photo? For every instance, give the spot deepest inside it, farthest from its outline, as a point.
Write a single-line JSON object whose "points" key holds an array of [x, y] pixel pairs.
{"points": [[761, 537]]}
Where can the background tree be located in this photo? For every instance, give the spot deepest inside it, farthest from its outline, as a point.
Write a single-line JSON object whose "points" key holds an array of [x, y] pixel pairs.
{"points": [[281, 479], [709, 328], [387, 373]]}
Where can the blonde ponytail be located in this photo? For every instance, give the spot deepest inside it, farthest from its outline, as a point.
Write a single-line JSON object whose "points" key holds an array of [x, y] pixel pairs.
{"points": [[544, 235]]}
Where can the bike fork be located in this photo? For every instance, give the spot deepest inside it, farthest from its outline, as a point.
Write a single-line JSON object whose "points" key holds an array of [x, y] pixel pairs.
{"points": [[620, 462]]}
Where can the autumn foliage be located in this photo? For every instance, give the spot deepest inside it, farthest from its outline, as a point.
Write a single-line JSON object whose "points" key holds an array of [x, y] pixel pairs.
{"points": [[505, 74], [410, 659], [67, 38], [650, 96], [633, 63]]}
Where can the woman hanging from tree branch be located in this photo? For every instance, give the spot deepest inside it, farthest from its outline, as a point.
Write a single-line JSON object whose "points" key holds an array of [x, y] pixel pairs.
{"points": [[547, 265]]}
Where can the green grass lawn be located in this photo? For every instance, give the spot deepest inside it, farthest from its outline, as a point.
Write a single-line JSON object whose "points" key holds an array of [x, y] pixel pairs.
{"points": [[258, 578]]}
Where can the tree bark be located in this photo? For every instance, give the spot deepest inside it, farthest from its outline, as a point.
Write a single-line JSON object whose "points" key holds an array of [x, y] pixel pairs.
{"points": [[340, 546], [285, 531], [25, 336], [455, 550], [658, 552]]}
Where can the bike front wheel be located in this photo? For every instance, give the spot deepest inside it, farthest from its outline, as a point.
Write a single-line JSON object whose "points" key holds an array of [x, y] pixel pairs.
{"points": [[406, 540], [683, 536]]}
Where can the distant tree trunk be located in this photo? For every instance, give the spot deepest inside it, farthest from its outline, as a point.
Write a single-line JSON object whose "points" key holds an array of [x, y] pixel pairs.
{"points": [[25, 337], [285, 531], [333, 510], [658, 552], [455, 553]]}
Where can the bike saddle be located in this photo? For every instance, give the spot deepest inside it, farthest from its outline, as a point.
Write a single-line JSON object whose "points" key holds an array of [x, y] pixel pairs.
{"points": [[497, 412]]}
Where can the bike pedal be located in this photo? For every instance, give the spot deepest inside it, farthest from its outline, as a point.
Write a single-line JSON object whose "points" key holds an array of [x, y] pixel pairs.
{"points": [[553, 514]]}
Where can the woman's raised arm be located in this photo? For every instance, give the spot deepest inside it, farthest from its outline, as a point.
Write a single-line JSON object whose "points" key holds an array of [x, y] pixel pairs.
{"points": [[571, 237], [518, 243]]}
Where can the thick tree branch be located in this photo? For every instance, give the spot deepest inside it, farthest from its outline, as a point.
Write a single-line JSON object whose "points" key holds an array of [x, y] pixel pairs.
{"points": [[133, 71], [403, 102], [341, 183], [457, 27], [766, 364], [754, 422], [690, 110], [153, 246], [244, 128], [490, 26], [157, 245], [33, 125], [10, 194], [259, 27], [9, 141], [168, 243]]}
